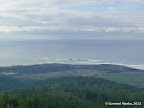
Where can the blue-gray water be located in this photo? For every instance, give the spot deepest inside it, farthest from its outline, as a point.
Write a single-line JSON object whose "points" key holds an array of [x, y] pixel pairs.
{"points": [[129, 52]]}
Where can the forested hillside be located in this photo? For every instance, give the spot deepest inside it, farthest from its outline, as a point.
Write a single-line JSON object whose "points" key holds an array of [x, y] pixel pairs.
{"points": [[7, 83], [72, 92]]}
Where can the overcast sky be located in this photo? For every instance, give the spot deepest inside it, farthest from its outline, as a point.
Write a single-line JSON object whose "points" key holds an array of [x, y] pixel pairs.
{"points": [[72, 19]]}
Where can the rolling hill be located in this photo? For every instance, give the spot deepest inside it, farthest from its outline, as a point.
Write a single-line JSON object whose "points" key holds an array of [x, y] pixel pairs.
{"points": [[107, 71]]}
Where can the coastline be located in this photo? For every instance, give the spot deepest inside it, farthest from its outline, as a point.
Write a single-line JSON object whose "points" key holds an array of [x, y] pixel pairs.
{"points": [[78, 62]]}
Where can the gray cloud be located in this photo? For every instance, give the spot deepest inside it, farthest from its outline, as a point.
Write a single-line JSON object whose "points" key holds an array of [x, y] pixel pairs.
{"points": [[126, 1], [35, 17]]}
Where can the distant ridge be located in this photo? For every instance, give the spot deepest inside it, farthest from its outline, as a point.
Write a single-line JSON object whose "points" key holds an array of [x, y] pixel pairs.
{"points": [[107, 71]]}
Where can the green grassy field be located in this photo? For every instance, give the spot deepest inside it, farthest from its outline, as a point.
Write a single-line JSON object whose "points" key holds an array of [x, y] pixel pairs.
{"points": [[132, 79]]}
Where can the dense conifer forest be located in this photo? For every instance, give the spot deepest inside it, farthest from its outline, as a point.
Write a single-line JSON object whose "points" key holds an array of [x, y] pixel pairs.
{"points": [[8, 82], [72, 92]]}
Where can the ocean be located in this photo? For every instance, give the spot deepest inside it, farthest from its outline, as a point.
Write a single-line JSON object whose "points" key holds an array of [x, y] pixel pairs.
{"points": [[27, 52]]}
